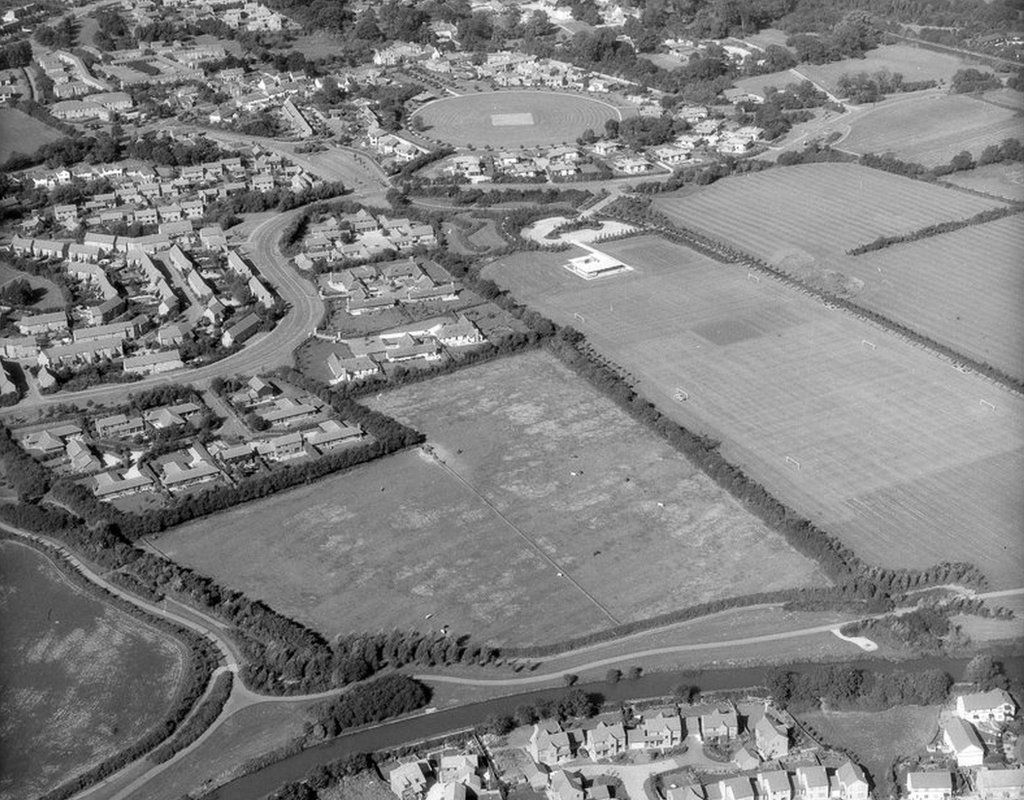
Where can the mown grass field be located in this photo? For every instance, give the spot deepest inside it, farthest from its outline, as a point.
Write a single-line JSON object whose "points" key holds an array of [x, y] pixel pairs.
{"points": [[20, 133], [81, 680], [1000, 180], [931, 128], [804, 219], [389, 543], [50, 296], [897, 457], [482, 120], [914, 63]]}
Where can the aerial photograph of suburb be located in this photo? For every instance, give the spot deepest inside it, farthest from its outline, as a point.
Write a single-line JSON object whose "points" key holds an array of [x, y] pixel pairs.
{"points": [[512, 400]]}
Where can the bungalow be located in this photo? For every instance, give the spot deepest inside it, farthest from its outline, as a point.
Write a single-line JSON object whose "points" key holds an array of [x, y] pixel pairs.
{"points": [[154, 363], [462, 332], [331, 433], [234, 454], [993, 706], [410, 780], [240, 331], [774, 785], [605, 741], [355, 368], [80, 457], [35, 324], [962, 741], [114, 484], [929, 785], [671, 154], [661, 729], [771, 738], [287, 412], [50, 441], [1000, 784], [850, 781], [81, 352], [191, 469], [813, 782], [118, 426], [282, 447]]}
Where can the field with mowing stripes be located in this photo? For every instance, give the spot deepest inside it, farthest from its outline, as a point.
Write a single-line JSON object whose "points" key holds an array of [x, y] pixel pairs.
{"points": [[804, 219], [932, 128], [896, 454], [536, 460], [1001, 180]]}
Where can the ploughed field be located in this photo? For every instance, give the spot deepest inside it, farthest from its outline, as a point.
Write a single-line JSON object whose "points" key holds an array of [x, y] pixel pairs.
{"points": [[931, 128], [514, 118], [478, 542], [887, 447], [959, 288], [81, 680]]}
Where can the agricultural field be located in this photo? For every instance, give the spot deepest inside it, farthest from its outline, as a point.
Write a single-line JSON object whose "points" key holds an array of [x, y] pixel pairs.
{"points": [[81, 679], [18, 129], [545, 513], [999, 180], [914, 63], [514, 118], [804, 219], [930, 128], [877, 738], [876, 440]]}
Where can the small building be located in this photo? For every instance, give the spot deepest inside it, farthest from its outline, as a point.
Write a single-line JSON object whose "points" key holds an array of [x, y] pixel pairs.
{"points": [[355, 368], [962, 741], [595, 264], [240, 331], [929, 785]]}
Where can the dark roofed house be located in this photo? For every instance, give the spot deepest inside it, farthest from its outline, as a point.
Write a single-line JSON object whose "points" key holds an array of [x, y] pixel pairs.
{"points": [[241, 330]]}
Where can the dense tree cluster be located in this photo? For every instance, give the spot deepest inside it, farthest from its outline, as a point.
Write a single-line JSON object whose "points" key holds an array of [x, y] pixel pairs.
{"points": [[974, 80], [63, 35], [847, 687], [871, 87], [16, 54], [384, 697]]}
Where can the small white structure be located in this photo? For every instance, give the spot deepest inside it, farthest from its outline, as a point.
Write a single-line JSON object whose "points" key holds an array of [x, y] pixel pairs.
{"points": [[595, 264]]}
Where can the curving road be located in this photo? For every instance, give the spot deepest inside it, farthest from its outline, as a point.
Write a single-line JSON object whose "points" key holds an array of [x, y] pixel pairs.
{"points": [[266, 350]]}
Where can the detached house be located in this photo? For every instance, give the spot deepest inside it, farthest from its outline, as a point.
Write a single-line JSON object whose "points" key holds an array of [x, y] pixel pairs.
{"points": [[409, 781], [813, 783], [994, 706], [850, 782], [605, 741], [1001, 784], [549, 744], [661, 729], [738, 788], [774, 785], [719, 724], [772, 739], [929, 785], [962, 741]]}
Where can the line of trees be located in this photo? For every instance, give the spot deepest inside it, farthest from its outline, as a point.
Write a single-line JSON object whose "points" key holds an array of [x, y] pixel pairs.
{"points": [[937, 229], [197, 724], [846, 687]]}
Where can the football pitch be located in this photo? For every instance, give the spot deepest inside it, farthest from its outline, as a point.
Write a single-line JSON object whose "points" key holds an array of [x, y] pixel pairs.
{"points": [[909, 461]]}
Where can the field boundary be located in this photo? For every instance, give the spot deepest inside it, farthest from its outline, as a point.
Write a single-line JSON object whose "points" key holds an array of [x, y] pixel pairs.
{"points": [[728, 253]]}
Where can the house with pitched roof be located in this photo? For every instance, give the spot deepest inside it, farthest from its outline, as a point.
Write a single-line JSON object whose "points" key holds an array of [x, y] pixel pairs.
{"points": [[719, 724], [738, 788], [606, 741], [1000, 784], [813, 783], [410, 781], [851, 782], [551, 745], [962, 741], [929, 785], [566, 785], [661, 729], [774, 785], [994, 706], [771, 738]]}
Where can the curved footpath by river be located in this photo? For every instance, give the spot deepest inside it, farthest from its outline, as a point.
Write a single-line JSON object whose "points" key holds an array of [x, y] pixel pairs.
{"points": [[393, 734]]}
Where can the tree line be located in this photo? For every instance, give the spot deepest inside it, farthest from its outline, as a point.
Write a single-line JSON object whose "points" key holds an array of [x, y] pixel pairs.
{"points": [[937, 229], [844, 687]]}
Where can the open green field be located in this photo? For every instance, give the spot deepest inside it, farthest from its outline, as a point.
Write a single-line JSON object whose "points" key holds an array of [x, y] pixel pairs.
{"points": [[914, 63], [804, 219], [514, 118], [478, 542], [1000, 180], [931, 128], [877, 738], [81, 680], [20, 133], [896, 454], [50, 296]]}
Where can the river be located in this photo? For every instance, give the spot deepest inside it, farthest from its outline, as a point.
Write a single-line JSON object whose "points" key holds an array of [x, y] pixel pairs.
{"points": [[393, 734]]}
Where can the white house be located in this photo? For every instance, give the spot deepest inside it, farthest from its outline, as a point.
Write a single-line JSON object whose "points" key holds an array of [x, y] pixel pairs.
{"points": [[851, 783], [962, 741], [929, 785], [994, 705]]}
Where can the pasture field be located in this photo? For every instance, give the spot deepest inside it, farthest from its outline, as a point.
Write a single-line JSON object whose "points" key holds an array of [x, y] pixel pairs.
{"points": [[877, 738], [804, 219], [1000, 180], [20, 133], [535, 462], [82, 680], [514, 118], [891, 449], [914, 63], [931, 128]]}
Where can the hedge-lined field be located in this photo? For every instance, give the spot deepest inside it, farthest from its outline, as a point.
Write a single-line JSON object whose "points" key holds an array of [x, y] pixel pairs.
{"points": [[957, 288], [897, 457], [82, 680], [637, 527]]}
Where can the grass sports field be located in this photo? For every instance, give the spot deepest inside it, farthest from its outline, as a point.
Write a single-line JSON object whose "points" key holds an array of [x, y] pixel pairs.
{"points": [[931, 128], [891, 449], [804, 219], [514, 118], [636, 527], [81, 679], [20, 133]]}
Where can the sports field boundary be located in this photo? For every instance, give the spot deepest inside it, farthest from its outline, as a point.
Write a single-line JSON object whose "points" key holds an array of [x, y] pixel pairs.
{"points": [[728, 253], [618, 111]]}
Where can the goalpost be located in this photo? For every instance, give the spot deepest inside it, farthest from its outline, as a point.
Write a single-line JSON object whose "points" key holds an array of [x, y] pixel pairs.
{"points": [[866, 343], [579, 318], [987, 404], [792, 462], [681, 395], [752, 277]]}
